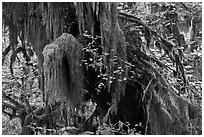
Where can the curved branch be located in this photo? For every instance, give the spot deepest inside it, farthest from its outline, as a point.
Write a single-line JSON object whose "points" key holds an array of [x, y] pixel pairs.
{"points": [[157, 73], [5, 52], [16, 103], [186, 7], [166, 45], [14, 55]]}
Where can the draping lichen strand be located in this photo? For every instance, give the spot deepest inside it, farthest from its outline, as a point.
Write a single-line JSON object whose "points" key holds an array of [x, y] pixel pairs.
{"points": [[52, 20], [86, 16], [112, 39], [80, 16], [63, 54], [33, 16], [37, 23], [171, 109]]}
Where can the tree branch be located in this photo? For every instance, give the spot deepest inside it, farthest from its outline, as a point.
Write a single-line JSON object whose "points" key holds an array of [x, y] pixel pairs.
{"points": [[166, 45], [186, 7], [14, 110], [5, 52], [157, 73], [16, 103]]}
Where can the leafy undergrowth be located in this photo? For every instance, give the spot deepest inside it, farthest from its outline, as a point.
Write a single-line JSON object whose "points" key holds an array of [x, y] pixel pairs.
{"points": [[20, 86], [10, 127]]}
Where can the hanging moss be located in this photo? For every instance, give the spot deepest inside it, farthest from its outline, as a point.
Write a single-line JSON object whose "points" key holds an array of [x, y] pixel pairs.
{"points": [[114, 43], [62, 70], [101, 19]]}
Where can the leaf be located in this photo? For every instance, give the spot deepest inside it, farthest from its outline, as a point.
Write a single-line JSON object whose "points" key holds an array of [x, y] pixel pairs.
{"points": [[106, 54], [110, 81]]}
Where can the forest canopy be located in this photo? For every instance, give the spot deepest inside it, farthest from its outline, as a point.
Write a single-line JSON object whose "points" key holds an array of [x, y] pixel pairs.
{"points": [[102, 68]]}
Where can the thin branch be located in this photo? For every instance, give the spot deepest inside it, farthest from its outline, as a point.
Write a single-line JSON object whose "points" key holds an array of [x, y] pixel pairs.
{"points": [[186, 7], [157, 73], [105, 119], [16, 103], [9, 114], [8, 106], [136, 20], [14, 56], [128, 26], [5, 52], [144, 92], [14, 110]]}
